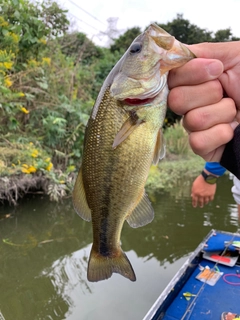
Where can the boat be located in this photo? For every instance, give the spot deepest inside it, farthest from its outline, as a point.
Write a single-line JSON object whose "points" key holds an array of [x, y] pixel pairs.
{"points": [[207, 284]]}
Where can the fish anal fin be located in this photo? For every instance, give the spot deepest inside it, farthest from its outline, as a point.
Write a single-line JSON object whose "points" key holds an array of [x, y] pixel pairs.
{"points": [[142, 214], [79, 199], [127, 128], [160, 150], [102, 267]]}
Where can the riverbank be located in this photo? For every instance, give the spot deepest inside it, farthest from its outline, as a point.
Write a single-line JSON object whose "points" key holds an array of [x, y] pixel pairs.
{"points": [[29, 167], [170, 171], [164, 177]]}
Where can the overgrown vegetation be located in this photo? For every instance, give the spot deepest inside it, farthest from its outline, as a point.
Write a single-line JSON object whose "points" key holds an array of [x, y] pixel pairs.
{"points": [[49, 79], [180, 161]]}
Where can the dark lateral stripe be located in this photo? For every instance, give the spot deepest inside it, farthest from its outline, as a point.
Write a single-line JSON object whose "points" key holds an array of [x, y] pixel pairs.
{"points": [[104, 224], [103, 247]]}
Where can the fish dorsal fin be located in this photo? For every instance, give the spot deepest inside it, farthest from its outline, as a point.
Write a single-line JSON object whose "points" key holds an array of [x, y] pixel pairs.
{"points": [[160, 149], [142, 214], [79, 199], [127, 128]]}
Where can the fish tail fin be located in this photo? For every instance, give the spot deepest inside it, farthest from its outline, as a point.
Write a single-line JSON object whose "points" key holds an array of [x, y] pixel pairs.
{"points": [[102, 267]]}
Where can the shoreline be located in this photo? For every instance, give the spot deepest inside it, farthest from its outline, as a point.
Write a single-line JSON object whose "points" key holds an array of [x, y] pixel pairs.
{"points": [[163, 177]]}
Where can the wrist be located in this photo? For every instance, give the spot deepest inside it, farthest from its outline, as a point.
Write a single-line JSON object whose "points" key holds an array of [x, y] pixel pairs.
{"points": [[210, 173], [209, 177]]}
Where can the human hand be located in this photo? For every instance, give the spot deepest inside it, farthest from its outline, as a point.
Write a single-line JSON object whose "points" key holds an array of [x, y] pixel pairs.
{"points": [[196, 91], [202, 192]]}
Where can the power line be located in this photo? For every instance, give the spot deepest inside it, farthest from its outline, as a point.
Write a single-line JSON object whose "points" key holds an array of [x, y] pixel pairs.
{"points": [[86, 23], [86, 12]]}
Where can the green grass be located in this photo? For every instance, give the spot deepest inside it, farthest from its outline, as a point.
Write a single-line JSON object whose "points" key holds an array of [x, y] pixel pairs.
{"points": [[180, 165], [177, 140], [169, 173]]}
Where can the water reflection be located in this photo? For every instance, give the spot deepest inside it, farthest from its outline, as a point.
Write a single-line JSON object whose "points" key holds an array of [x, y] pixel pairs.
{"points": [[45, 247]]}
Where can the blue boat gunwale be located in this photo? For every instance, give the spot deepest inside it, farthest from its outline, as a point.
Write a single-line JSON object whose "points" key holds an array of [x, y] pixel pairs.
{"points": [[158, 309]]}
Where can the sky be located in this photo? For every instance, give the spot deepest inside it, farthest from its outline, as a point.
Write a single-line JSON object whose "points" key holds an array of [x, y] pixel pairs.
{"points": [[90, 16]]}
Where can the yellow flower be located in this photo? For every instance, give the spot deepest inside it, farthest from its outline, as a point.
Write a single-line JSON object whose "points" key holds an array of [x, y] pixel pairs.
{"points": [[43, 41], [74, 94], [24, 110], [46, 61], [3, 23], [70, 168], [49, 167], [47, 159], [28, 169], [24, 170], [8, 64], [7, 82], [62, 181], [14, 36], [32, 169], [3, 53], [35, 153], [33, 63], [21, 94], [30, 143]]}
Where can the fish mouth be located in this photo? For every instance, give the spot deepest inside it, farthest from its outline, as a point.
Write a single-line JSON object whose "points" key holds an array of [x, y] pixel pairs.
{"points": [[148, 96], [138, 102]]}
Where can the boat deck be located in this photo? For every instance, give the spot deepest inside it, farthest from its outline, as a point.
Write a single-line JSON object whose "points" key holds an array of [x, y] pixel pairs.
{"points": [[188, 298], [211, 300]]}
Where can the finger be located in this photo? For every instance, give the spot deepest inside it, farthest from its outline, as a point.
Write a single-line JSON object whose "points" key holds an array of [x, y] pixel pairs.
{"points": [[201, 202], [219, 51], [230, 82], [238, 116], [210, 143], [194, 72], [215, 155], [211, 198], [206, 200], [206, 117], [194, 201], [184, 98]]}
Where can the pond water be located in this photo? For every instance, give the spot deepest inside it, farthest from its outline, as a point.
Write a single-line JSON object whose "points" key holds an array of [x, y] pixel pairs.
{"points": [[44, 249]]}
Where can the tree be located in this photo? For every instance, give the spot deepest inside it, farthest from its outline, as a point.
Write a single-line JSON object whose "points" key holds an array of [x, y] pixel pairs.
{"points": [[189, 33], [224, 35], [186, 32], [122, 43], [79, 47], [33, 25]]}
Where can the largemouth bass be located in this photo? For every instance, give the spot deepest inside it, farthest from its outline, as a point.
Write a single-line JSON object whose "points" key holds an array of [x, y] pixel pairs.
{"points": [[123, 138]]}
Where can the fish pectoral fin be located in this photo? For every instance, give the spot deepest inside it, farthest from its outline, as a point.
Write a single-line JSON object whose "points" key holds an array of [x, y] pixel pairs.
{"points": [[160, 149], [127, 128], [102, 267], [142, 214], [79, 199]]}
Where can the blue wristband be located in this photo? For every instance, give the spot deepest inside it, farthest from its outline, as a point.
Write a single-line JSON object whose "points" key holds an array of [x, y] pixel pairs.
{"points": [[215, 168]]}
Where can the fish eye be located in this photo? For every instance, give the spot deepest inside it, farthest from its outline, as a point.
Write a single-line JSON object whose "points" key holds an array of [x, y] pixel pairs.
{"points": [[135, 48]]}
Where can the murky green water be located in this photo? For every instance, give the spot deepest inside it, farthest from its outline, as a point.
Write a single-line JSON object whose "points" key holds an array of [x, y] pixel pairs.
{"points": [[44, 249]]}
